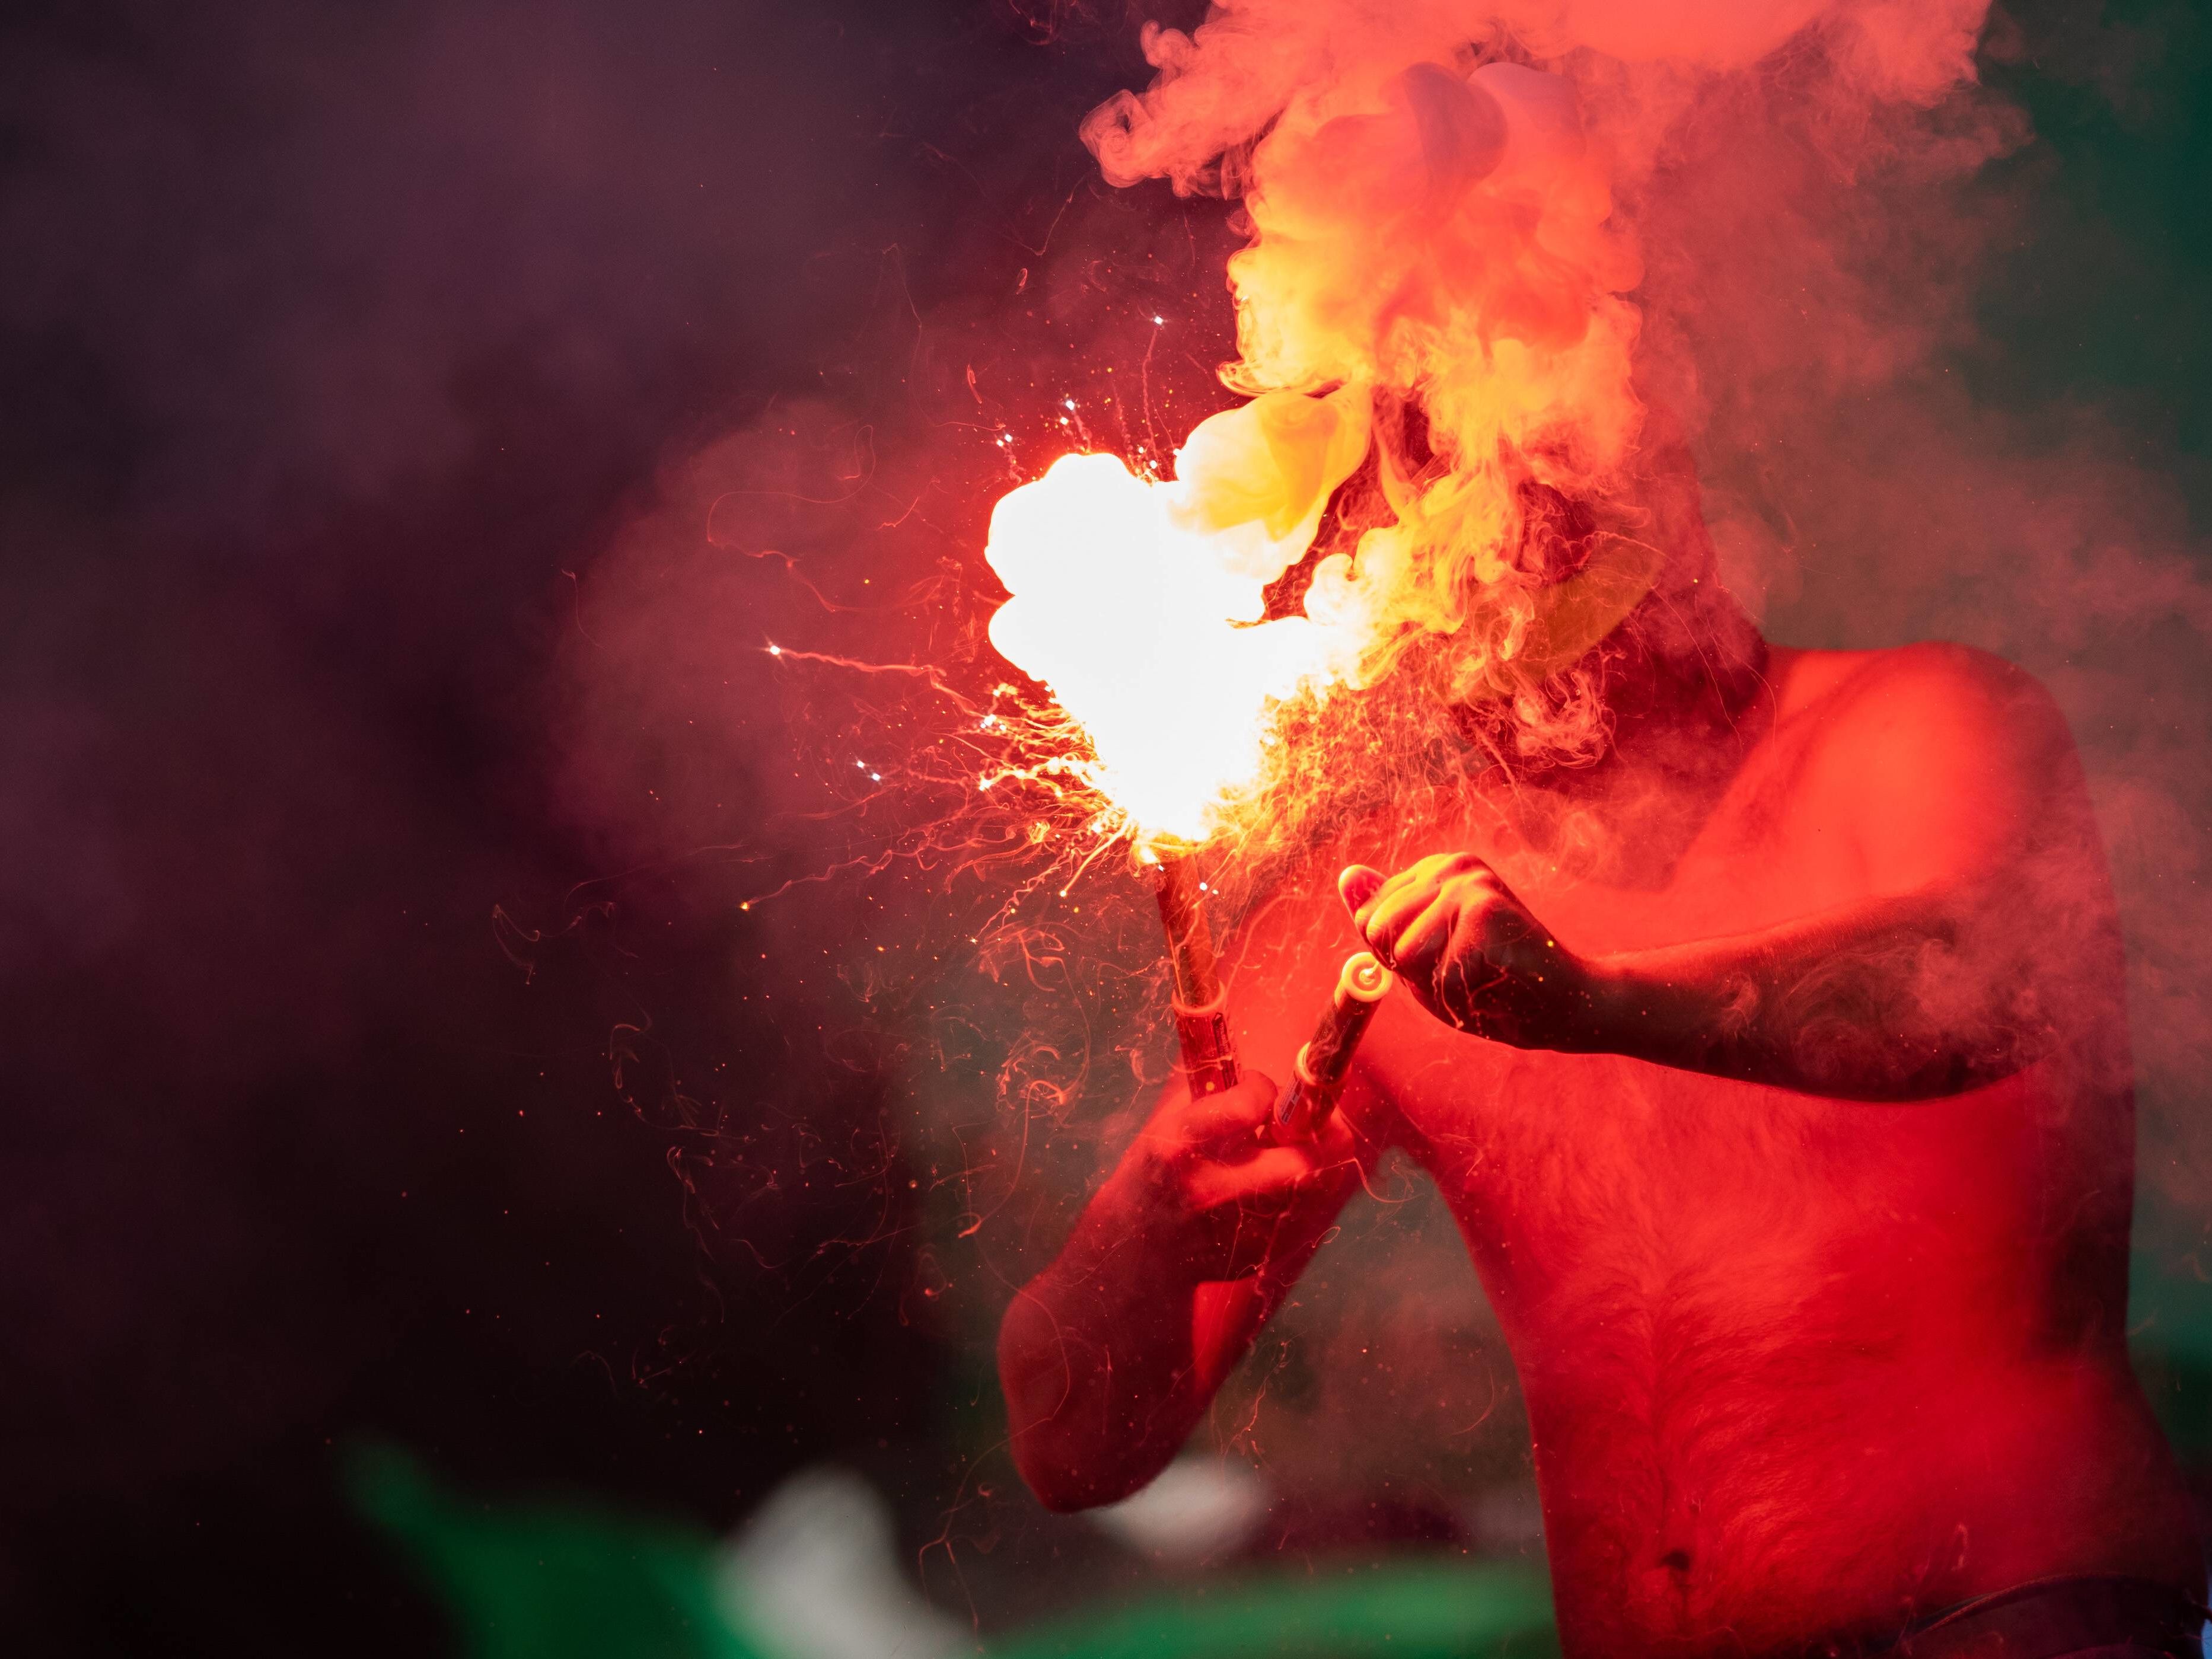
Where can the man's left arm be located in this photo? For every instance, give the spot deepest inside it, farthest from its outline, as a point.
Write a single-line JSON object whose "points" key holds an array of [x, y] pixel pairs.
{"points": [[1984, 911]]}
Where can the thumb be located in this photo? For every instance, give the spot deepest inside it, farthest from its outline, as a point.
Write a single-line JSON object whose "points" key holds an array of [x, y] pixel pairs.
{"points": [[1357, 885]]}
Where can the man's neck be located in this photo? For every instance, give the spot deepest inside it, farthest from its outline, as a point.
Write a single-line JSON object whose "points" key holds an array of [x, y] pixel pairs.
{"points": [[1687, 698], [1690, 670]]}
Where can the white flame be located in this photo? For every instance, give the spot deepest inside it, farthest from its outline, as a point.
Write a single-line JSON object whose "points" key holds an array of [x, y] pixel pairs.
{"points": [[1141, 604]]}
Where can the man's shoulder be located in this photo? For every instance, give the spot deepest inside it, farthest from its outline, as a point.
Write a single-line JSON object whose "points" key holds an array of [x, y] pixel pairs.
{"points": [[1827, 682], [1923, 723], [1931, 682]]}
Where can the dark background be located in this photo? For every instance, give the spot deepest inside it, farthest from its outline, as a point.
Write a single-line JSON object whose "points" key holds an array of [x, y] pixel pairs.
{"points": [[339, 345]]}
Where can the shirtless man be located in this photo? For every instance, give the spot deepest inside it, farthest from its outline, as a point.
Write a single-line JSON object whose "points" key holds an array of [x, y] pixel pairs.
{"points": [[1775, 1069]]}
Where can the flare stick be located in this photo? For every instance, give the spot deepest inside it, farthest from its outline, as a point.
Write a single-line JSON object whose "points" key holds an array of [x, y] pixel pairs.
{"points": [[1317, 1076], [1209, 1057]]}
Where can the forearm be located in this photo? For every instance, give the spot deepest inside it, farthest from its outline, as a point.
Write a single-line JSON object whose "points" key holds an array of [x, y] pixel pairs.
{"points": [[1109, 1356], [1098, 1360], [1879, 1001]]}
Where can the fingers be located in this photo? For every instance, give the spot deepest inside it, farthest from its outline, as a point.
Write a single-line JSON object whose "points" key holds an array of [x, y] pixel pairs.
{"points": [[1418, 944], [1367, 891], [1389, 908], [1334, 1143], [1358, 885], [1390, 916], [1266, 1180], [1212, 1123]]}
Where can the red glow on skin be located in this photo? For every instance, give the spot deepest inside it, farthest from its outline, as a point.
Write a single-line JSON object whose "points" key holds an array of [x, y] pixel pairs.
{"points": [[1801, 1362], [1764, 1029]]}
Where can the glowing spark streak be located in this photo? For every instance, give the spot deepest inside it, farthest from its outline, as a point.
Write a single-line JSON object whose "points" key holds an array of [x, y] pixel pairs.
{"points": [[922, 670]]}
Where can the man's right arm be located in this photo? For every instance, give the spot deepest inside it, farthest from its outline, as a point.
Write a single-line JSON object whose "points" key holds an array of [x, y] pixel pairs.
{"points": [[1111, 1355]]}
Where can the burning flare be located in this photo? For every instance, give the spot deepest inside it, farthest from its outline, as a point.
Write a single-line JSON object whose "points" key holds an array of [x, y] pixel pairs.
{"points": [[1139, 604], [1448, 202], [1437, 236]]}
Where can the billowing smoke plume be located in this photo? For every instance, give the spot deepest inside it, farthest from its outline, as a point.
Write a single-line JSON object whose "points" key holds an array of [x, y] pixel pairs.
{"points": [[1531, 255], [1556, 245], [1444, 204]]}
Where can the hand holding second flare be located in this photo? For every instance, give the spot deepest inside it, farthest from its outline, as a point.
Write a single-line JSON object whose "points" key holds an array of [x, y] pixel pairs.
{"points": [[1474, 955], [1205, 1173]]}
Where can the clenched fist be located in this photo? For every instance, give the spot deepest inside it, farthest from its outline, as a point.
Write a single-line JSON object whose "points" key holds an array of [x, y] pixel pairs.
{"points": [[1206, 1171], [1462, 944]]}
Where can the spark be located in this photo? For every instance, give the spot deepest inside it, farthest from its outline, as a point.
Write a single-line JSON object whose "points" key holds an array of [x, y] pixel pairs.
{"points": [[923, 670]]}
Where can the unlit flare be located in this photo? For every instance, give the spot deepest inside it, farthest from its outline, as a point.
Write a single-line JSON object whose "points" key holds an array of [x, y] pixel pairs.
{"points": [[1318, 1076]]}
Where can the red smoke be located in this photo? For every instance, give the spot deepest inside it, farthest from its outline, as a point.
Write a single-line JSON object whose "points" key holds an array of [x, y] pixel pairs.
{"points": [[1767, 222]]}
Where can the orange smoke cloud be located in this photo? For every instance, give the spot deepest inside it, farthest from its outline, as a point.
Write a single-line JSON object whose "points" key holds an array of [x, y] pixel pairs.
{"points": [[1442, 201], [1447, 206]]}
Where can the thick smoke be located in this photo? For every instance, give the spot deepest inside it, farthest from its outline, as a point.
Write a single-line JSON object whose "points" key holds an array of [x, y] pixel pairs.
{"points": [[352, 600], [1561, 244], [1460, 207], [1556, 258]]}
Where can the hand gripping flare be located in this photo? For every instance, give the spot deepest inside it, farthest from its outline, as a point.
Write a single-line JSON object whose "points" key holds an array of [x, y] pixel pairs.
{"points": [[1317, 1077]]}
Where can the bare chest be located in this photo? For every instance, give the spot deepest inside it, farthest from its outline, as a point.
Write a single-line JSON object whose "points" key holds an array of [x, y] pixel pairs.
{"points": [[1588, 1184]]}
